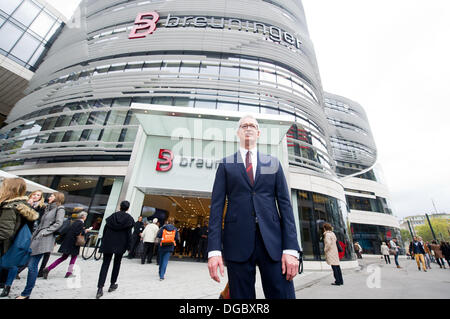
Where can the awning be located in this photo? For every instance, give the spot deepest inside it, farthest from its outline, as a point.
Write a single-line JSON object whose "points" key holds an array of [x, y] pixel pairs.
{"points": [[31, 186]]}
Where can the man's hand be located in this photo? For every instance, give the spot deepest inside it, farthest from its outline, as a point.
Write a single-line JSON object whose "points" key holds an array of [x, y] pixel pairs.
{"points": [[289, 265], [213, 263]]}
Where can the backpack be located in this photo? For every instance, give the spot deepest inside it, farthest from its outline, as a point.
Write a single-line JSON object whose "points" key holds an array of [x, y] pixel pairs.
{"points": [[62, 230], [168, 237]]}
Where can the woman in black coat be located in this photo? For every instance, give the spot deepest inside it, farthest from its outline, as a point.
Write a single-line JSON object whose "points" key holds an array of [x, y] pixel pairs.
{"points": [[116, 240], [68, 246]]}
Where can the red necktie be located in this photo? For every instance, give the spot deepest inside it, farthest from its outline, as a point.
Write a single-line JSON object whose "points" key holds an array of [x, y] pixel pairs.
{"points": [[249, 167]]}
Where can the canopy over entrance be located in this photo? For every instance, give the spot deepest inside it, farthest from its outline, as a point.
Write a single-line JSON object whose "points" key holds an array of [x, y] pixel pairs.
{"points": [[31, 186], [177, 149]]}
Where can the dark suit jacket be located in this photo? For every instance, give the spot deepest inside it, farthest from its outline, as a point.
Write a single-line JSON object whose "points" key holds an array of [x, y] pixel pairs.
{"points": [[268, 200]]}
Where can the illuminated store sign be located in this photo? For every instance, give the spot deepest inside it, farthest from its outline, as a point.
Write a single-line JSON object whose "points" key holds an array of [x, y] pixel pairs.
{"points": [[166, 159], [145, 24]]}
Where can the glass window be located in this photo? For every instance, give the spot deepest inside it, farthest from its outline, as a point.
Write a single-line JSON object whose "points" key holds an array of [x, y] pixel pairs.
{"points": [[52, 31], [26, 12], [121, 102], [97, 118], [268, 77], [42, 24], [24, 49], [230, 106], [205, 104], [284, 82], [36, 55], [129, 134], [117, 117], [190, 68], [9, 34], [184, 101], [249, 74], [210, 68], [171, 66], [134, 66], [49, 123], [79, 191], [63, 120], [227, 71], [79, 119], [151, 66], [10, 5], [164, 100], [118, 67], [248, 108], [55, 137], [111, 135]]}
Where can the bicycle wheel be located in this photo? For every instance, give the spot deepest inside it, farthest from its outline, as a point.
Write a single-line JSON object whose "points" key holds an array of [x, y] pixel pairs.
{"points": [[97, 254], [87, 250]]}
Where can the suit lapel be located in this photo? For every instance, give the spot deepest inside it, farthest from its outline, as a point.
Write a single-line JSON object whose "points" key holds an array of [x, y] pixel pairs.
{"points": [[258, 168]]}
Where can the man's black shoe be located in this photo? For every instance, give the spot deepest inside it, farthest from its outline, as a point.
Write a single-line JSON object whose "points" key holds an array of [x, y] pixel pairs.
{"points": [[99, 293], [113, 287]]}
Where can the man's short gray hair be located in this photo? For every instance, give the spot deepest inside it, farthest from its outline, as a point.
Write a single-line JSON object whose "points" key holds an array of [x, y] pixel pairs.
{"points": [[82, 214], [247, 116]]}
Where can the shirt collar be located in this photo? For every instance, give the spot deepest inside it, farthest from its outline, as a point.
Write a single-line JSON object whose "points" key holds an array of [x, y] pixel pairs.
{"points": [[244, 150]]}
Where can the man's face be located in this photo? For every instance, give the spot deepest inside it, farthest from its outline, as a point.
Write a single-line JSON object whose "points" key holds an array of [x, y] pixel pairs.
{"points": [[248, 132]]}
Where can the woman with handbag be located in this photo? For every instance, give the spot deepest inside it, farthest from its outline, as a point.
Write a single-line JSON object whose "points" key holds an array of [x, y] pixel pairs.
{"points": [[73, 239], [331, 253], [15, 213], [43, 239]]}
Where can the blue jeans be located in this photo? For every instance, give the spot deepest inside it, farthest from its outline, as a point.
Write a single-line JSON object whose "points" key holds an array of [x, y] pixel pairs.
{"points": [[32, 274], [12, 273], [163, 261], [396, 259]]}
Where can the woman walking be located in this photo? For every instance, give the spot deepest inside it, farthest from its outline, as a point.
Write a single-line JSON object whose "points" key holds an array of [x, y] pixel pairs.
{"points": [[15, 213], [331, 253], [116, 241], [438, 254], [385, 252], [69, 246], [43, 239]]}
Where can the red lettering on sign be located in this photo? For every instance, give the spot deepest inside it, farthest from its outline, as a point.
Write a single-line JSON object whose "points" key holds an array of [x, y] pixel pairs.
{"points": [[166, 160], [144, 24]]}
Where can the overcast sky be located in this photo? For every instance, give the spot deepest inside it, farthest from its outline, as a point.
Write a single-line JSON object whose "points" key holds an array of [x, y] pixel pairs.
{"points": [[392, 57]]}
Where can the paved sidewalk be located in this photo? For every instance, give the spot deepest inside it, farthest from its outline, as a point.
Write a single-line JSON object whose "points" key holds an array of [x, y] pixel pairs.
{"points": [[190, 280], [183, 280]]}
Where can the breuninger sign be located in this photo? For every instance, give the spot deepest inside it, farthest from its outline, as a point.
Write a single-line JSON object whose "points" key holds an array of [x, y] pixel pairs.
{"points": [[146, 23]]}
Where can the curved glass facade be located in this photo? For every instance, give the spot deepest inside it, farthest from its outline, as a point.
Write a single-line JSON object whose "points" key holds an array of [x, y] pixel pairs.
{"points": [[250, 57]]}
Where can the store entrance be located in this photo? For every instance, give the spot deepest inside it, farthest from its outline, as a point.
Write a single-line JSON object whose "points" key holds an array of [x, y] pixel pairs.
{"points": [[190, 216]]}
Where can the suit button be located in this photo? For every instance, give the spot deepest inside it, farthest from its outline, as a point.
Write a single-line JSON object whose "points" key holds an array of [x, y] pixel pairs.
{"points": [[253, 193]]}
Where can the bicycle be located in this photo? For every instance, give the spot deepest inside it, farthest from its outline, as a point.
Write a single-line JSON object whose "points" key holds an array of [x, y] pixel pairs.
{"points": [[88, 252]]}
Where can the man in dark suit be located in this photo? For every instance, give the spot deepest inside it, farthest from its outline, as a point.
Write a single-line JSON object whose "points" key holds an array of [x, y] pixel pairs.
{"points": [[255, 232]]}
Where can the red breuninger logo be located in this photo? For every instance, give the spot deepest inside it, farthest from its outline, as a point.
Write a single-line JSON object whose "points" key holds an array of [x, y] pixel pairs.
{"points": [[166, 160], [144, 24]]}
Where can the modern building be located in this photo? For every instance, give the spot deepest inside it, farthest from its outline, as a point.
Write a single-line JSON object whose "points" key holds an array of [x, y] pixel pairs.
{"points": [[27, 30], [371, 219], [142, 98]]}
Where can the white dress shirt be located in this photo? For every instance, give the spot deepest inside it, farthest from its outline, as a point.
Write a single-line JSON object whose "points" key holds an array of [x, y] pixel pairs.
{"points": [[254, 155]]}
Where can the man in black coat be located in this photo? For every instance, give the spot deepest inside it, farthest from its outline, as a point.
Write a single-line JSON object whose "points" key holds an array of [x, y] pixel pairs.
{"points": [[116, 240], [136, 237]]}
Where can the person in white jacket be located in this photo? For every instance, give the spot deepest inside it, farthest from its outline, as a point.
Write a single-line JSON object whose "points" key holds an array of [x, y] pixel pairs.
{"points": [[385, 252], [148, 236]]}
